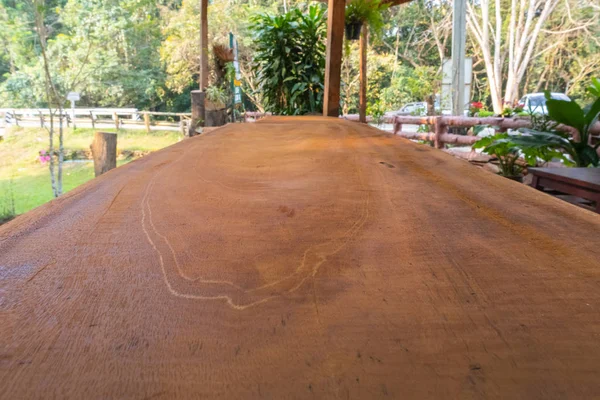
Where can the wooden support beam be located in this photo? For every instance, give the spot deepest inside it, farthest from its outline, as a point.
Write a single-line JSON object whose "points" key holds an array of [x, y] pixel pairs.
{"points": [[459, 39], [362, 101], [203, 44], [104, 152], [333, 65]]}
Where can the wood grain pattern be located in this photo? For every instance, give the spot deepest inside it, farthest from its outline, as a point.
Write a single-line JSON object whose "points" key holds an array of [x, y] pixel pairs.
{"points": [[295, 259]]}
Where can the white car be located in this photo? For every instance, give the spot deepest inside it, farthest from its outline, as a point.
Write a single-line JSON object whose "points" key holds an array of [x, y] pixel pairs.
{"points": [[416, 108], [535, 103]]}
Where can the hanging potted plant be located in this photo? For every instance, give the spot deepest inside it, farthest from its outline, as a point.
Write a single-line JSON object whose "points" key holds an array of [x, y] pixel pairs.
{"points": [[363, 12]]}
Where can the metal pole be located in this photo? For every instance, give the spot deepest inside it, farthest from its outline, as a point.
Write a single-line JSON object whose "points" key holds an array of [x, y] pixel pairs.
{"points": [[73, 113], [459, 39]]}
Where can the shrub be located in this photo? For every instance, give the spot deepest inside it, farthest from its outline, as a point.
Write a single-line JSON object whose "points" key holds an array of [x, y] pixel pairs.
{"points": [[290, 60]]}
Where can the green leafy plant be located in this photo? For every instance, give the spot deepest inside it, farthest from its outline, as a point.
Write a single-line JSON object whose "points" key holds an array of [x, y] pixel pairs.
{"points": [[366, 12], [290, 59], [594, 88], [484, 113], [501, 146], [552, 141], [216, 95], [377, 111]]}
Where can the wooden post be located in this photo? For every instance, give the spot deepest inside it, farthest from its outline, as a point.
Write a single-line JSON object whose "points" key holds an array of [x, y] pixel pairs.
{"points": [[333, 65], [104, 152], [147, 122], [181, 125], [41, 120], [92, 118], [198, 111], [116, 119], [397, 126], [362, 101], [203, 44], [440, 129], [459, 39]]}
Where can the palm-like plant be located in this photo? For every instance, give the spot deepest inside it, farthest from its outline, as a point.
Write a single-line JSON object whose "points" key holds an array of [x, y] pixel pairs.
{"points": [[290, 60]]}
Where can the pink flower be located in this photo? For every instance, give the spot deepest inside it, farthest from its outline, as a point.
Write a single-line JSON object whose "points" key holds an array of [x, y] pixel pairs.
{"points": [[44, 156]]}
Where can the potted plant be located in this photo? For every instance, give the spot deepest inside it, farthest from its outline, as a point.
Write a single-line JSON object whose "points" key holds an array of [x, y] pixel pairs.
{"points": [[363, 12], [215, 103]]}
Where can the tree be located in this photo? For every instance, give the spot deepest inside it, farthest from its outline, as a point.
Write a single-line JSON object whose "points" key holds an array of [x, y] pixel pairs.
{"points": [[507, 47]]}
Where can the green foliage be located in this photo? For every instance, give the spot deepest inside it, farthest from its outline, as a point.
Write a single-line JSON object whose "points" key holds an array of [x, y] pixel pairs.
{"points": [[290, 60], [108, 50], [216, 95], [594, 88], [377, 111], [571, 114], [545, 142], [411, 84], [367, 12], [485, 113], [501, 146]]}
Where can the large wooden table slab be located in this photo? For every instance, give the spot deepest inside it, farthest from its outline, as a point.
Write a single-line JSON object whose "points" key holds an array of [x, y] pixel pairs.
{"points": [[300, 258]]}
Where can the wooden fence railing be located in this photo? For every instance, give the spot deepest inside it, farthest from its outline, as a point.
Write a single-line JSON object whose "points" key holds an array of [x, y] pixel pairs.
{"points": [[120, 118], [440, 135]]}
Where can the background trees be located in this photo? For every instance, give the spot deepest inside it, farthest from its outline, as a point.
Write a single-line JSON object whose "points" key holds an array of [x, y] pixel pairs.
{"points": [[145, 53]]}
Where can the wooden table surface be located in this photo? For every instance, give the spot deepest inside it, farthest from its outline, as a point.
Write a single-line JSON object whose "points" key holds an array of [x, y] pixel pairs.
{"points": [[300, 258], [585, 177]]}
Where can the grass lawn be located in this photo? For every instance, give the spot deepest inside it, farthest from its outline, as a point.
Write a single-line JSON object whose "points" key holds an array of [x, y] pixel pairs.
{"points": [[25, 181]]}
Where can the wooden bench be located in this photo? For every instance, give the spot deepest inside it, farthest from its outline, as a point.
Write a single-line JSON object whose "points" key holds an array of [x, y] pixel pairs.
{"points": [[580, 182]]}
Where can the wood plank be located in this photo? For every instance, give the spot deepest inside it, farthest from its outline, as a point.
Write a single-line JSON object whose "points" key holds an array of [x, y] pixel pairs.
{"points": [[333, 63], [300, 258]]}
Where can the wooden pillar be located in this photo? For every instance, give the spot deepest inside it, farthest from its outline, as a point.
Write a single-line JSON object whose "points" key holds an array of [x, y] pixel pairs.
{"points": [[203, 44], [198, 112], [459, 39], [333, 65], [116, 119], [362, 101], [104, 152]]}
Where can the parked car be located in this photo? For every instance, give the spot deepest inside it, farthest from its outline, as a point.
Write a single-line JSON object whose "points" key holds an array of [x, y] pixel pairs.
{"points": [[535, 103], [416, 108]]}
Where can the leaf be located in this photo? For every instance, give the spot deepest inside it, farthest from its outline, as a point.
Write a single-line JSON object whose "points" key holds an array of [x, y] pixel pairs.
{"points": [[566, 112], [594, 88], [592, 113], [588, 156]]}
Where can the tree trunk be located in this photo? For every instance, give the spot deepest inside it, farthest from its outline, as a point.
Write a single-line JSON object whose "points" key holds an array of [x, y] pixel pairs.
{"points": [[104, 152]]}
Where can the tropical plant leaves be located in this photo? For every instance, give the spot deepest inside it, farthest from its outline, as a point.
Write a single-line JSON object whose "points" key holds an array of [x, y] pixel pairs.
{"points": [[290, 60], [566, 112]]}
